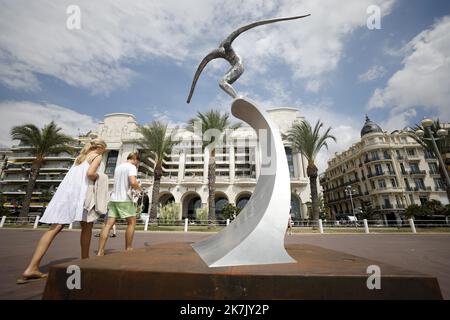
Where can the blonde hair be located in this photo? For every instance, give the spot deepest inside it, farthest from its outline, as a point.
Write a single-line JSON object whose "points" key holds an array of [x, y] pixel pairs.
{"points": [[88, 147], [133, 156]]}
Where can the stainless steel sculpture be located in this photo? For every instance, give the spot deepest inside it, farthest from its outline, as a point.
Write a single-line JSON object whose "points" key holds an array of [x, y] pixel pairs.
{"points": [[226, 51], [256, 236]]}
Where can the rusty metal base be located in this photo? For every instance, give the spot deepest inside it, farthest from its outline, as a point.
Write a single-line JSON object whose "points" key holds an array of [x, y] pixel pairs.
{"points": [[175, 271]]}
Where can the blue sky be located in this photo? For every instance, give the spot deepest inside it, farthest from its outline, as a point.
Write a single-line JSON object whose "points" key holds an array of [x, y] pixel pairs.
{"points": [[140, 57]]}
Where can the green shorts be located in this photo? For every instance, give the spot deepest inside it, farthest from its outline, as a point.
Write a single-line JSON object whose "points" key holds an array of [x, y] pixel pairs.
{"points": [[121, 209]]}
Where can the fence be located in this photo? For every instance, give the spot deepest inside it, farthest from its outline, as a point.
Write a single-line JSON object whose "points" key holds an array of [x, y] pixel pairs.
{"points": [[321, 226]]}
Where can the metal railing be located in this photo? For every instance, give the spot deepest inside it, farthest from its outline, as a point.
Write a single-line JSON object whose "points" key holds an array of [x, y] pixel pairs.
{"points": [[321, 226]]}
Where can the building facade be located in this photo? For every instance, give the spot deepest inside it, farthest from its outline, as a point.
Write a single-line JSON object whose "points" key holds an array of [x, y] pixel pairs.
{"points": [[16, 170], [184, 178], [385, 172]]}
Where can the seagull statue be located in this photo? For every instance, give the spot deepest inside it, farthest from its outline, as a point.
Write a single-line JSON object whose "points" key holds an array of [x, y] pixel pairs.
{"points": [[226, 51]]}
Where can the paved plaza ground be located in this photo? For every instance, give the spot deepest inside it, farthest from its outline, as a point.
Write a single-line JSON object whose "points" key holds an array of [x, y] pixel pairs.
{"points": [[426, 253]]}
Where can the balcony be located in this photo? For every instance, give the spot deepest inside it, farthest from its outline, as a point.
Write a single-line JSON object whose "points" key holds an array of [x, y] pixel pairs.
{"points": [[376, 174], [418, 172], [245, 180], [389, 207]]}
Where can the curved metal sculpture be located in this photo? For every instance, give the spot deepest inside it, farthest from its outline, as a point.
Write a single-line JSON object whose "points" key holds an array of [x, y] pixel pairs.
{"points": [[256, 236], [226, 51]]}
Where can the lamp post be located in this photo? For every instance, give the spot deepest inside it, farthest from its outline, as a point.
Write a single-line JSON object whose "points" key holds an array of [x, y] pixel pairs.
{"points": [[442, 134], [350, 192]]}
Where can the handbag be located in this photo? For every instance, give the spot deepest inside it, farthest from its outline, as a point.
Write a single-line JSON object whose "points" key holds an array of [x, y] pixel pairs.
{"points": [[136, 198]]}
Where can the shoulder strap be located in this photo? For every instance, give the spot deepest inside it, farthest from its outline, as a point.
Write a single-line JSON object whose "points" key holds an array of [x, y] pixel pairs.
{"points": [[92, 159]]}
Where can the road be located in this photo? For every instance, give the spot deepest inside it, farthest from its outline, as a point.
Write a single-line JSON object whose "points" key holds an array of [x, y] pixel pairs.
{"points": [[426, 253]]}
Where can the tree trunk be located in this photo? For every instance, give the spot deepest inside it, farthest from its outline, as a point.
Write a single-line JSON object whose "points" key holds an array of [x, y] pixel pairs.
{"points": [[155, 192], [311, 170], [314, 197], [211, 187], [34, 172]]}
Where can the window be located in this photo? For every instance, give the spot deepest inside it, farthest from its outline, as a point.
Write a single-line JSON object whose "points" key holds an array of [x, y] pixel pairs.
{"points": [[389, 168], [439, 184], [423, 200], [290, 161], [382, 184], [111, 162], [411, 152], [387, 202], [394, 183], [402, 167], [378, 169], [433, 168], [428, 154], [407, 184], [414, 167], [419, 184]]}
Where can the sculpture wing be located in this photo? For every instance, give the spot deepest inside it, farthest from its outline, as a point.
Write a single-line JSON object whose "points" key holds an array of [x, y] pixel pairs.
{"points": [[211, 56], [227, 42]]}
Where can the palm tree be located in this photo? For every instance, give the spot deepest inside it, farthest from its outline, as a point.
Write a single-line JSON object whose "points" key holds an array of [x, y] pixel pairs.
{"points": [[156, 144], [43, 142], [309, 142], [212, 121]]}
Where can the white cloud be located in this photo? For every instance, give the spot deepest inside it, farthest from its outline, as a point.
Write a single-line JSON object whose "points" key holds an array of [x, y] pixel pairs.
{"points": [[15, 113], [398, 119], [374, 73], [424, 79], [313, 86], [117, 34]]}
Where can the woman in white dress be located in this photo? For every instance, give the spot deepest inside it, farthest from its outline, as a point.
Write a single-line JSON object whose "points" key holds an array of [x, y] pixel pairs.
{"points": [[66, 206]]}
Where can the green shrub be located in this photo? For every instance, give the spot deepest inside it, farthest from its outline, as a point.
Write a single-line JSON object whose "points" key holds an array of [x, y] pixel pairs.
{"points": [[202, 213], [414, 210], [170, 213], [230, 211]]}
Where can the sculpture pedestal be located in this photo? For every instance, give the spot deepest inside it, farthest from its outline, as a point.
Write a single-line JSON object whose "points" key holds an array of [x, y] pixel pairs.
{"points": [[175, 271]]}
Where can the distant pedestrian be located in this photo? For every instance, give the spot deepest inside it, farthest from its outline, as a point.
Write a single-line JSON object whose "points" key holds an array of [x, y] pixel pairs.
{"points": [[289, 228]]}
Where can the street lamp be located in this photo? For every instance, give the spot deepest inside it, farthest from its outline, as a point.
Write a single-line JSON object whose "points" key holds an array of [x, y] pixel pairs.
{"points": [[350, 192], [442, 134]]}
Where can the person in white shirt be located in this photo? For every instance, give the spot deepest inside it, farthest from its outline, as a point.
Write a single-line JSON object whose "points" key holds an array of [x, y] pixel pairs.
{"points": [[121, 205]]}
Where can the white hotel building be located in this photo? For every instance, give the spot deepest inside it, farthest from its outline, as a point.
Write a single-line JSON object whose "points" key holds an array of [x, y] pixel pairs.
{"points": [[184, 178]]}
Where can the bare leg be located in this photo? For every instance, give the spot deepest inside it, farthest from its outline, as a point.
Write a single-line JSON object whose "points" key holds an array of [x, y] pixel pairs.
{"points": [[32, 271], [104, 236], [114, 229], [230, 77], [85, 238], [131, 221]]}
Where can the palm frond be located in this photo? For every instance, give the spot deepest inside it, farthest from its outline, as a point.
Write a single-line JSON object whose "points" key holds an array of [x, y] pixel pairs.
{"points": [[211, 120], [306, 140], [43, 141]]}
